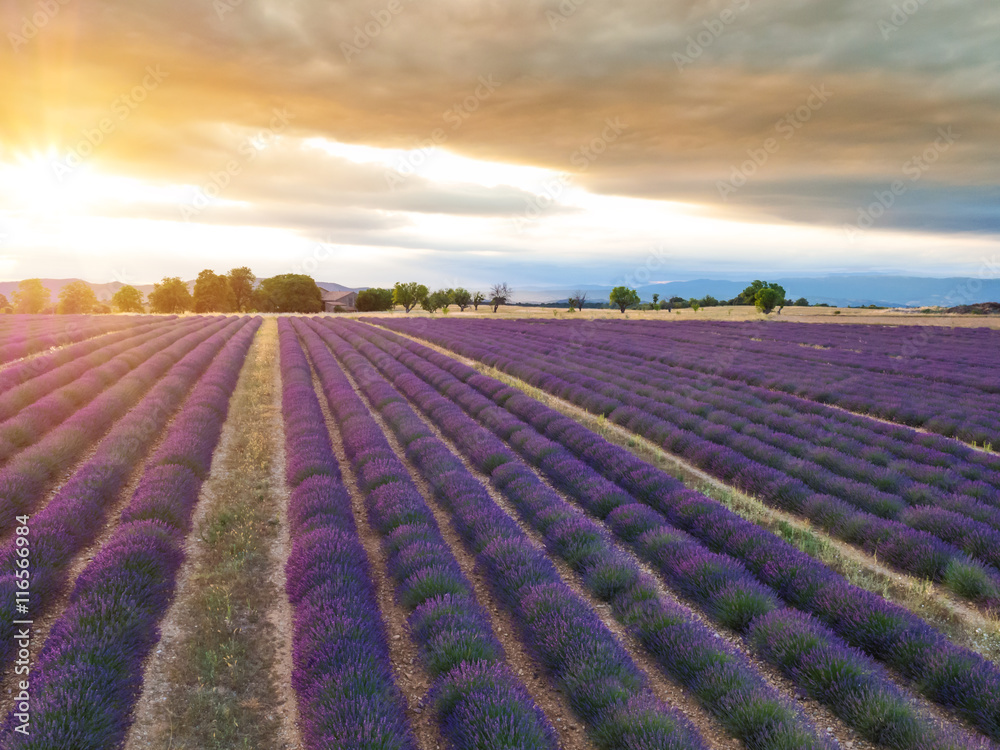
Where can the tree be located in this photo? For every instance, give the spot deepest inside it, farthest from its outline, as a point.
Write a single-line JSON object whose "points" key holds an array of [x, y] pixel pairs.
{"points": [[4, 303], [170, 296], [477, 299], [374, 300], [77, 298], [708, 301], [445, 298], [128, 299], [462, 298], [578, 299], [802, 302], [656, 301], [212, 293], [435, 301], [623, 297], [749, 295], [500, 294], [409, 295], [289, 293], [31, 297], [242, 282], [767, 299], [676, 302]]}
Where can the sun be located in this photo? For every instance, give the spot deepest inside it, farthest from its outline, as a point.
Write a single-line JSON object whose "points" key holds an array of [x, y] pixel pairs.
{"points": [[38, 184]]}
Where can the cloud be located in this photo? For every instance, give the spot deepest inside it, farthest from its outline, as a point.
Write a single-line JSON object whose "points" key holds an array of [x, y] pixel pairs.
{"points": [[701, 87]]}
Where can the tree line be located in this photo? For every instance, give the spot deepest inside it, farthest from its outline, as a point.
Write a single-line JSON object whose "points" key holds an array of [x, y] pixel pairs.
{"points": [[238, 291], [413, 294], [765, 296]]}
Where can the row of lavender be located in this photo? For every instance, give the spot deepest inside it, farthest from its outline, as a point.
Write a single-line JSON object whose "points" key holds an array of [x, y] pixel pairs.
{"points": [[816, 659], [36, 407], [75, 515], [31, 472], [347, 695], [950, 409], [89, 672], [599, 678], [918, 528], [949, 675], [26, 337]]}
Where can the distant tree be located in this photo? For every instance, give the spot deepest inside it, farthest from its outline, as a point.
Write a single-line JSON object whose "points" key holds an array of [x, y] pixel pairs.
{"points": [[289, 293], [767, 299], [623, 297], [31, 297], [4, 303], [212, 293], [656, 301], [445, 298], [694, 304], [578, 299], [708, 301], [749, 295], [170, 296], [802, 302], [102, 309], [242, 282], [477, 299], [408, 295], [77, 298], [500, 294], [435, 301], [676, 302], [128, 299], [462, 298], [374, 300]]}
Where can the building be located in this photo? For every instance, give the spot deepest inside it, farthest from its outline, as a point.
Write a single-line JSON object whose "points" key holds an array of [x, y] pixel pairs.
{"points": [[345, 301]]}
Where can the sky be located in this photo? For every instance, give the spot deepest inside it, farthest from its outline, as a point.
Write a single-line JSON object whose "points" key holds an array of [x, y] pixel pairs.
{"points": [[464, 142]]}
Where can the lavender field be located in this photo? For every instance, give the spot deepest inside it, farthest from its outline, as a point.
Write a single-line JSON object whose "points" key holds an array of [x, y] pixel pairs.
{"points": [[294, 532]]}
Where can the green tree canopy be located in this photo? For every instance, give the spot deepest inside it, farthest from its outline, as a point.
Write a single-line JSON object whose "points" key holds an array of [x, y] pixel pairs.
{"points": [[462, 298], [802, 302], [477, 299], [409, 295], [623, 297], [31, 297], [128, 299], [767, 299], [436, 301], [77, 298], [749, 295], [170, 296], [374, 300], [242, 282], [289, 293], [213, 294]]}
